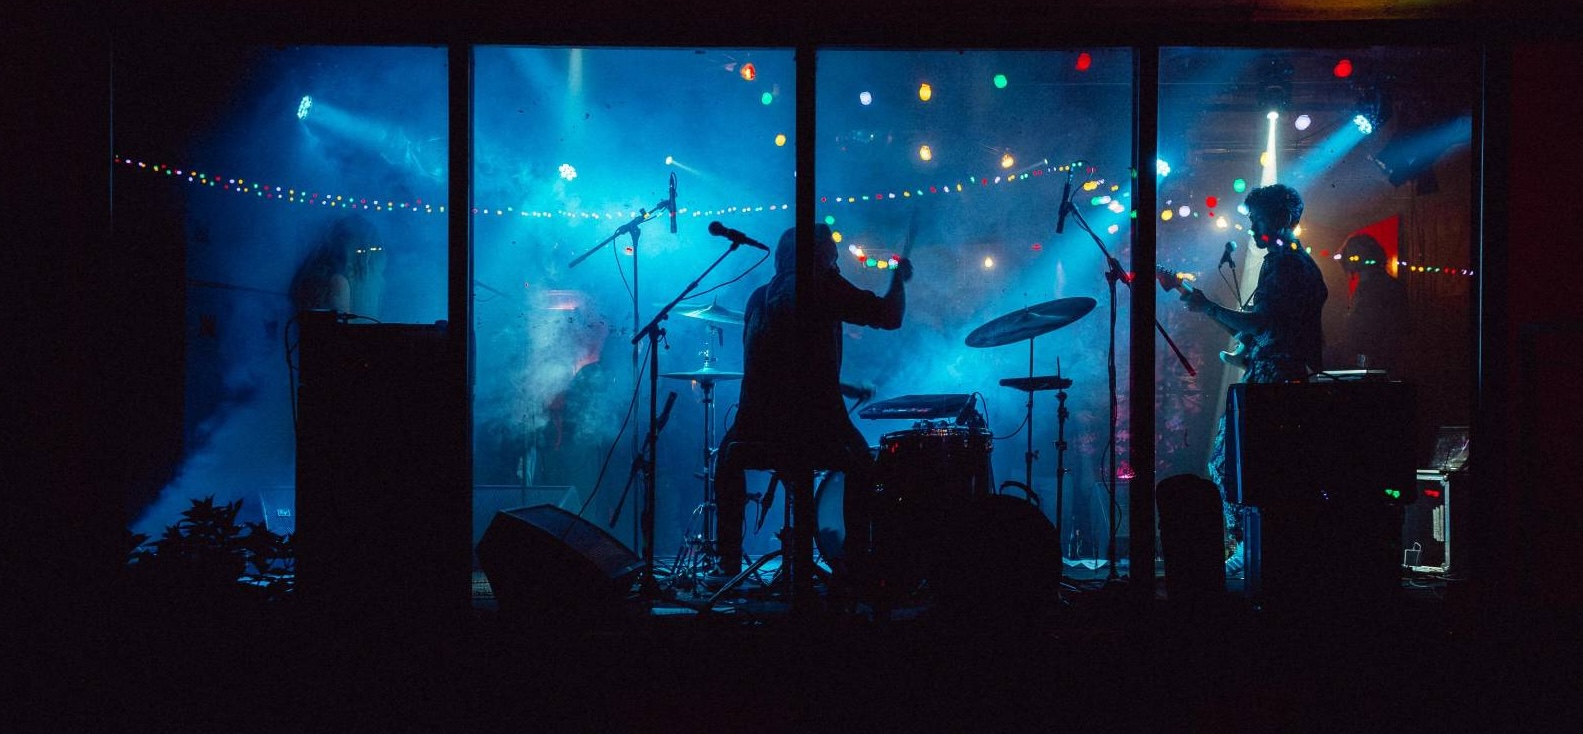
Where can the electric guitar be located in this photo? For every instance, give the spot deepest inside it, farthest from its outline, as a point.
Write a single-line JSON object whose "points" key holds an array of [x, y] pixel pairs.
{"points": [[1171, 280]]}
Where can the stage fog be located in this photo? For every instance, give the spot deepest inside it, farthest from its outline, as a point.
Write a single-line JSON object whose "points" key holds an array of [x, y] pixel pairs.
{"points": [[317, 178]]}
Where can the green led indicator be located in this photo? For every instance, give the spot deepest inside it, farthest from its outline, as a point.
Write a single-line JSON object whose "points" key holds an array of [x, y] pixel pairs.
{"points": [[1000, 81], [767, 98], [829, 219], [1239, 185]]}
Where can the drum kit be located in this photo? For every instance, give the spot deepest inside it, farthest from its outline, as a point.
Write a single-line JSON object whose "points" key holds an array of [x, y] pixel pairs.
{"points": [[931, 481]]}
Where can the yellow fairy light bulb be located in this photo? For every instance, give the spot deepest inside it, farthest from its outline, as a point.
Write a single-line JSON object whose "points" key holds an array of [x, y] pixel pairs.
{"points": [[925, 92]]}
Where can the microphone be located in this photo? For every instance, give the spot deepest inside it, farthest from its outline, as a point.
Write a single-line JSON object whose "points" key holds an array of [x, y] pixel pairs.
{"points": [[672, 205], [1225, 258], [1066, 196], [737, 238]]}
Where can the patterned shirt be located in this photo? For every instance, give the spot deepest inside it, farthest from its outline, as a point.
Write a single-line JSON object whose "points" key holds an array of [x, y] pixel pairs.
{"points": [[1287, 341]]}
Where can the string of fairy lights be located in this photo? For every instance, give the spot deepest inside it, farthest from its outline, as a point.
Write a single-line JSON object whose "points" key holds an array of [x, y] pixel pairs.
{"points": [[1101, 194]]}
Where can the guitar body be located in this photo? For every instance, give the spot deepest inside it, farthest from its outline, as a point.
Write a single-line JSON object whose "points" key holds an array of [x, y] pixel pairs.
{"points": [[1237, 355]]}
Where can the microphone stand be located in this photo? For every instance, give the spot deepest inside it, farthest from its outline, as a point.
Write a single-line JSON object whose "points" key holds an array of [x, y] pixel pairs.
{"points": [[630, 228], [1115, 273], [648, 588]]}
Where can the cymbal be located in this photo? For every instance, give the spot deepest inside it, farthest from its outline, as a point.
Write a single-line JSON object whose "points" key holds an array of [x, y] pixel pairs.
{"points": [[1027, 323], [707, 375], [716, 313], [1037, 383]]}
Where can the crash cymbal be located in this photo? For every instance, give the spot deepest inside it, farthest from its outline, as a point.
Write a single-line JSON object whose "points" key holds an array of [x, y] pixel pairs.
{"points": [[1027, 323], [707, 375], [716, 313]]}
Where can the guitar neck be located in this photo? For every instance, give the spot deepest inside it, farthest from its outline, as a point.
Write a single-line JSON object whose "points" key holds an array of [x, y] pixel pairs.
{"points": [[1184, 289]]}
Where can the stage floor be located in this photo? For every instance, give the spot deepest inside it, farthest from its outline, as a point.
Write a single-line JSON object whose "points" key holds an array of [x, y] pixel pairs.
{"points": [[1086, 583]]}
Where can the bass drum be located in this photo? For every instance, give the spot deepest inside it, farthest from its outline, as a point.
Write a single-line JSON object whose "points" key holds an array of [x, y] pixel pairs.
{"points": [[1004, 566], [830, 503], [876, 554], [893, 535]]}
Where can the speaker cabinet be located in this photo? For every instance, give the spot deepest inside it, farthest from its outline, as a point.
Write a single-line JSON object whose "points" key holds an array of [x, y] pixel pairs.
{"points": [[1324, 470], [549, 567], [489, 499], [1319, 443], [383, 478], [1191, 538], [1431, 526], [1330, 559]]}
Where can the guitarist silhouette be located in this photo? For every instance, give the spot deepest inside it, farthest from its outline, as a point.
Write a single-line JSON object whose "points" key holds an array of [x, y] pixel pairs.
{"points": [[1281, 326]]}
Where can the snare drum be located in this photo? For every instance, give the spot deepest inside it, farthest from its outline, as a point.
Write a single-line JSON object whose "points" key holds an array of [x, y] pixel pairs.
{"points": [[942, 466]]}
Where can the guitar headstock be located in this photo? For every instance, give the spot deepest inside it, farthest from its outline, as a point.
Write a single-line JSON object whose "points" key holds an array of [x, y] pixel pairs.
{"points": [[1172, 280]]}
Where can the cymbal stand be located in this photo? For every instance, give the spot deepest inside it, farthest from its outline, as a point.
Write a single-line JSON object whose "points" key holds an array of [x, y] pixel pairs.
{"points": [[711, 551], [706, 542], [1030, 454], [1061, 415], [648, 588]]}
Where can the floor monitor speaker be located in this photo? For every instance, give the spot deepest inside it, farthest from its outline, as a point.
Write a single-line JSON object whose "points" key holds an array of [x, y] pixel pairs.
{"points": [[546, 565]]}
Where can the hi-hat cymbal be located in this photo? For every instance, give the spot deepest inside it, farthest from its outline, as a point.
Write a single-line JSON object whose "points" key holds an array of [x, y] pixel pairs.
{"points": [[707, 375], [1037, 383], [716, 313], [1027, 323]]}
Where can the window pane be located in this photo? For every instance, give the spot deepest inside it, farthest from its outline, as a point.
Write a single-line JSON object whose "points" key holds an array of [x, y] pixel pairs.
{"points": [[1377, 143], [275, 179], [572, 147], [971, 151]]}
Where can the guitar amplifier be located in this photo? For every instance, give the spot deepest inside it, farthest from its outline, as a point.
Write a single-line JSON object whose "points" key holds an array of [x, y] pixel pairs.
{"points": [[1318, 443], [1431, 527]]}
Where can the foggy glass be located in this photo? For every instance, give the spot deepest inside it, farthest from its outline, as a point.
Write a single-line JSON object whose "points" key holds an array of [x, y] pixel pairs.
{"points": [[574, 149], [1408, 183], [263, 181], [1002, 129]]}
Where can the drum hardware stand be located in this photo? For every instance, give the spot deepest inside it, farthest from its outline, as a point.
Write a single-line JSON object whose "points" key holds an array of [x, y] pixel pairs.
{"points": [[1114, 273], [648, 589], [1061, 415], [1059, 384], [1031, 454], [711, 549], [703, 548], [705, 545], [786, 576]]}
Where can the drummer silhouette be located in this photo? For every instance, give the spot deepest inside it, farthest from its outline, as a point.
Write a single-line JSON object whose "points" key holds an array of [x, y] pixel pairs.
{"points": [[791, 386]]}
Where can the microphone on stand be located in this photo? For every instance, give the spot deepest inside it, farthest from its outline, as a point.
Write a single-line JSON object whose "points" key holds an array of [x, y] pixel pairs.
{"points": [[1066, 198], [737, 238], [1066, 191], [1225, 257], [672, 205]]}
